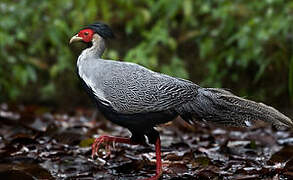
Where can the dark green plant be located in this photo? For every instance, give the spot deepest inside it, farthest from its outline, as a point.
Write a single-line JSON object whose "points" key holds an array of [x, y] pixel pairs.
{"points": [[236, 44]]}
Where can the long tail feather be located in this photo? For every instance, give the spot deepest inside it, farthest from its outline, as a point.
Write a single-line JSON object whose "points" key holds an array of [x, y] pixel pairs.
{"points": [[222, 107]]}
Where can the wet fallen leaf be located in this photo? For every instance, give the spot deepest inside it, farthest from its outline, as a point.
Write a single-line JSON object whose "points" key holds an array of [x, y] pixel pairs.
{"points": [[42, 143]]}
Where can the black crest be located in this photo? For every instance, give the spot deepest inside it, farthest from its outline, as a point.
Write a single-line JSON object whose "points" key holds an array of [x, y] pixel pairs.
{"points": [[102, 29]]}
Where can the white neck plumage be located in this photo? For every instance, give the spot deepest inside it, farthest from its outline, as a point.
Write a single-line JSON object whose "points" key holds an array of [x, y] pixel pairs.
{"points": [[97, 49]]}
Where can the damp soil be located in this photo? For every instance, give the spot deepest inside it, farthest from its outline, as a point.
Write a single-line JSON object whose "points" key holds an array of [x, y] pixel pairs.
{"points": [[45, 143]]}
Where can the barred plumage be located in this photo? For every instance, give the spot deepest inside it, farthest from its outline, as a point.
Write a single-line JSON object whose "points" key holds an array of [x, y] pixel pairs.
{"points": [[128, 88]]}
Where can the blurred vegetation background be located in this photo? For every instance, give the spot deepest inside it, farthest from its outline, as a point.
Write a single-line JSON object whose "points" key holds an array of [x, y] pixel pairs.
{"points": [[245, 46]]}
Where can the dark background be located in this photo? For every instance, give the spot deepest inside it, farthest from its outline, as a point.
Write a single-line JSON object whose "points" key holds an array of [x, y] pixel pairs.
{"points": [[245, 46]]}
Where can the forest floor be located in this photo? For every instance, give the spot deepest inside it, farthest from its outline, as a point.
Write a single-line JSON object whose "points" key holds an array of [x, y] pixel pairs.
{"points": [[44, 143]]}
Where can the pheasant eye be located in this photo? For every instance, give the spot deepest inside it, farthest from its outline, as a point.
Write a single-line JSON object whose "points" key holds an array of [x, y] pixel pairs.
{"points": [[86, 33]]}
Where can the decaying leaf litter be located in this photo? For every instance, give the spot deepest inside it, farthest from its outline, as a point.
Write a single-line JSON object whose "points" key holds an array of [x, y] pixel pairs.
{"points": [[45, 143]]}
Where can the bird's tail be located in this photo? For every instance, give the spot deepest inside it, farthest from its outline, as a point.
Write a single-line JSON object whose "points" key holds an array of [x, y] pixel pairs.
{"points": [[222, 107]]}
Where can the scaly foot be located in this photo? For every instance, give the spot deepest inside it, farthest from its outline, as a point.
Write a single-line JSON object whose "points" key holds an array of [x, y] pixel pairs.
{"points": [[106, 139]]}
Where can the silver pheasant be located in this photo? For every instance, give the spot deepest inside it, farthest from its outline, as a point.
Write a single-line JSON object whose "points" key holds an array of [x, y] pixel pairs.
{"points": [[137, 98]]}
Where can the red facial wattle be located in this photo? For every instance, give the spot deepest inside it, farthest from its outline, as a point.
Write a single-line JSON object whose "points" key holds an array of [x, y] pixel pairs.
{"points": [[86, 34]]}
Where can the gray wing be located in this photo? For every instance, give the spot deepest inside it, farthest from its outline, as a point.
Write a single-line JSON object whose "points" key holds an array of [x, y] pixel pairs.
{"points": [[130, 88]]}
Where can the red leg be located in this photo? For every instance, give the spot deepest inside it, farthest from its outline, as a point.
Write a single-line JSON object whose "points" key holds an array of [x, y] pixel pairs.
{"points": [[159, 170], [102, 139]]}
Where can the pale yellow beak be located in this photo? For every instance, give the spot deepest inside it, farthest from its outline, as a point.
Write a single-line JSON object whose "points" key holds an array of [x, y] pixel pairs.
{"points": [[75, 38]]}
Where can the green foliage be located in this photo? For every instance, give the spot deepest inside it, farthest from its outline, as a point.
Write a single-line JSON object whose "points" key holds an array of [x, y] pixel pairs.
{"points": [[248, 33], [291, 79], [226, 42]]}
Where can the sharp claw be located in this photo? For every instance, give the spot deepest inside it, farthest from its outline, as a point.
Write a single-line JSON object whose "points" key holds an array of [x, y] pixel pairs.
{"points": [[108, 152], [102, 139], [97, 143]]}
